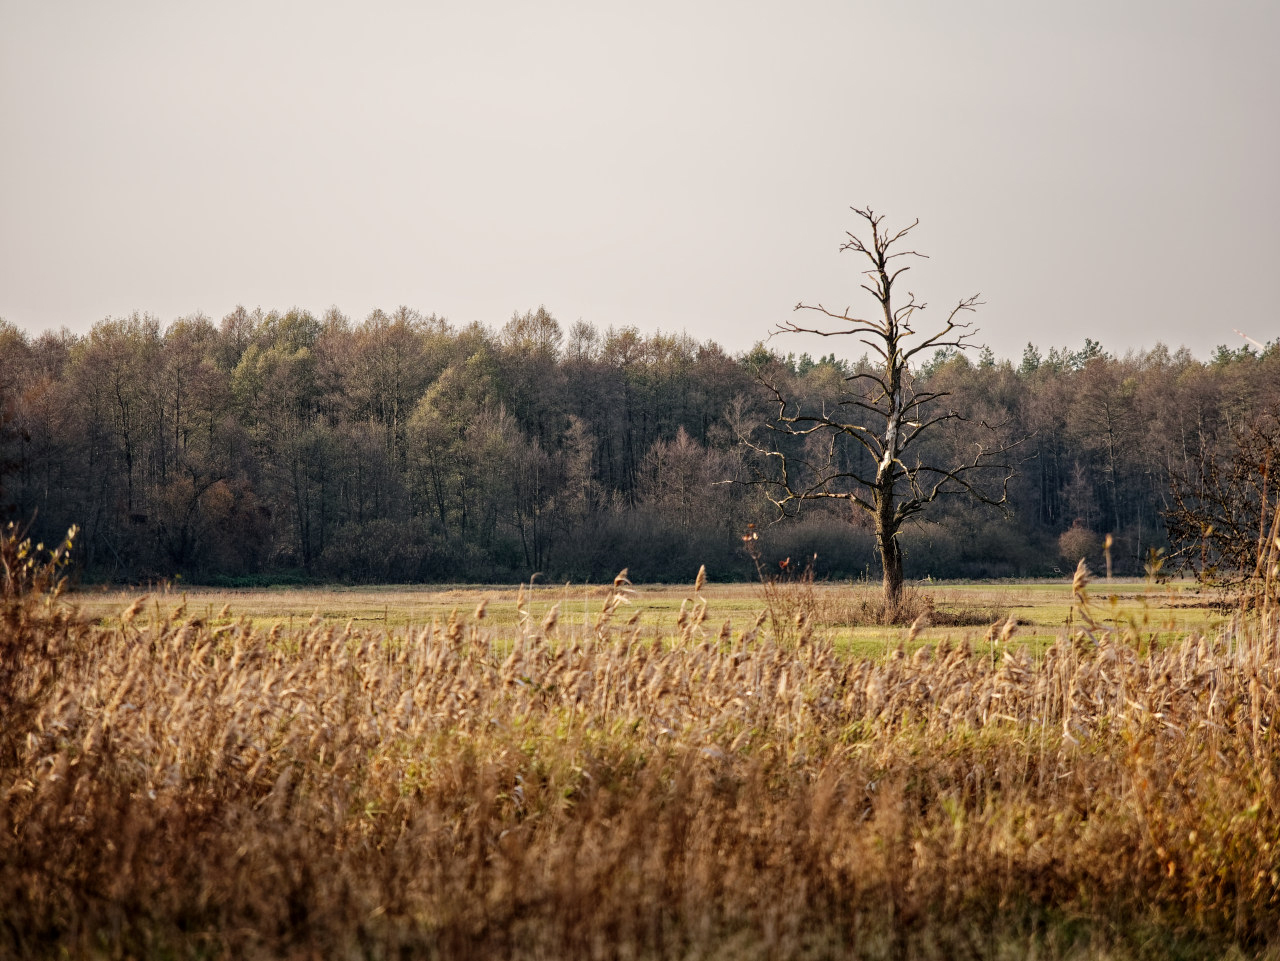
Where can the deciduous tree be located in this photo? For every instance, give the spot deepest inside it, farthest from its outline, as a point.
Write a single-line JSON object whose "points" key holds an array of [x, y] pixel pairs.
{"points": [[1224, 520], [870, 447]]}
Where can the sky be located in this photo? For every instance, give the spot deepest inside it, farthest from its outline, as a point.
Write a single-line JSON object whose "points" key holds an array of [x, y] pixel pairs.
{"points": [[1104, 170]]}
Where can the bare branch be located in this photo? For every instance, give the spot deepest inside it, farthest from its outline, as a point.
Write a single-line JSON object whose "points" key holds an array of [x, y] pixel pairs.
{"points": [[882, 417], [902, 233], [943, 337]]}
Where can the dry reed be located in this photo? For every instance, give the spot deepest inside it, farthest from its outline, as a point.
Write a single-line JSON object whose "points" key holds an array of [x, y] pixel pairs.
{"points": [[177, 788]]}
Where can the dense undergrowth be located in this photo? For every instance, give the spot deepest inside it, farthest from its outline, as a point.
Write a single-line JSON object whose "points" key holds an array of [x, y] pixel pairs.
{"points": [[179, 787]]}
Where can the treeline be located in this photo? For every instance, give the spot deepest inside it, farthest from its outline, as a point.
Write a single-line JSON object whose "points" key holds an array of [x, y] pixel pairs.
{"points": [[284, 445]]}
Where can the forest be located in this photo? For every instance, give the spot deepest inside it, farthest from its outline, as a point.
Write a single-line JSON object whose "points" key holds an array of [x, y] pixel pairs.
{"points": [[282, 447]]}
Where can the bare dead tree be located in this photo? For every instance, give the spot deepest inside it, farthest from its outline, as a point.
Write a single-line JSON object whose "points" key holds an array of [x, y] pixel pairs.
{"points": [[866, 449]]}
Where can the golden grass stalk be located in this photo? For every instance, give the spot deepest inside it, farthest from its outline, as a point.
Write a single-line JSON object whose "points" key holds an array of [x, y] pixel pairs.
{"points": [[173, 791]]}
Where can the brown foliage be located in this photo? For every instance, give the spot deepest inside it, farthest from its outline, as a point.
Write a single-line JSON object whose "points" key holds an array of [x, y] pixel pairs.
{"points": [[1078, 543], [187, 788], [1225, 517], [35, 630]]}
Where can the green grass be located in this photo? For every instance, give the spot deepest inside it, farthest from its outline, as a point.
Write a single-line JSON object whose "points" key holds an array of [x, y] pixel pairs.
{"points": [[1159, 613]]}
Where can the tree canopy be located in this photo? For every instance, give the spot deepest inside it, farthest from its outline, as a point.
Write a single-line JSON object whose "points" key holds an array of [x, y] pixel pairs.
{"points": [[402, 447]]}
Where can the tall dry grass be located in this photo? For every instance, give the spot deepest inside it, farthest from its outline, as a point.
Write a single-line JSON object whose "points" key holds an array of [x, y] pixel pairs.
{"points": [[178, 788], [792, 600]]}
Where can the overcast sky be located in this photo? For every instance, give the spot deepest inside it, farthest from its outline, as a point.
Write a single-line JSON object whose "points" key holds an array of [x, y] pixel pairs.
{"points": [[1095, 169]]}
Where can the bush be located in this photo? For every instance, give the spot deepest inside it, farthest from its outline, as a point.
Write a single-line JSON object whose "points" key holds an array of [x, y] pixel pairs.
{"points": [[1077, 544], [653, 544], [381, 551], [843, 549]]}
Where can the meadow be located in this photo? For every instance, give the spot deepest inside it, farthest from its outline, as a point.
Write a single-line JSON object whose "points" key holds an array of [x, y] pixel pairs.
{"points": [[467, 774], [1042, 609]]}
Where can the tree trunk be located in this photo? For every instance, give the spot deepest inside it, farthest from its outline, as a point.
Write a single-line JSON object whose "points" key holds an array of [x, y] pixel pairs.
{"points": [[891, 559], [890, 553]]}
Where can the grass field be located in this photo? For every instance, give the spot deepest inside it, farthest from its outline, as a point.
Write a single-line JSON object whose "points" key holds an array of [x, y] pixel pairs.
{"points": [[1043, 609], [366, 774]]}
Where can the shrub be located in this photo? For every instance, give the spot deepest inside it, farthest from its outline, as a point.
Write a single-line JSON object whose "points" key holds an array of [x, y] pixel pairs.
{"points": [[1078, 543]]}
